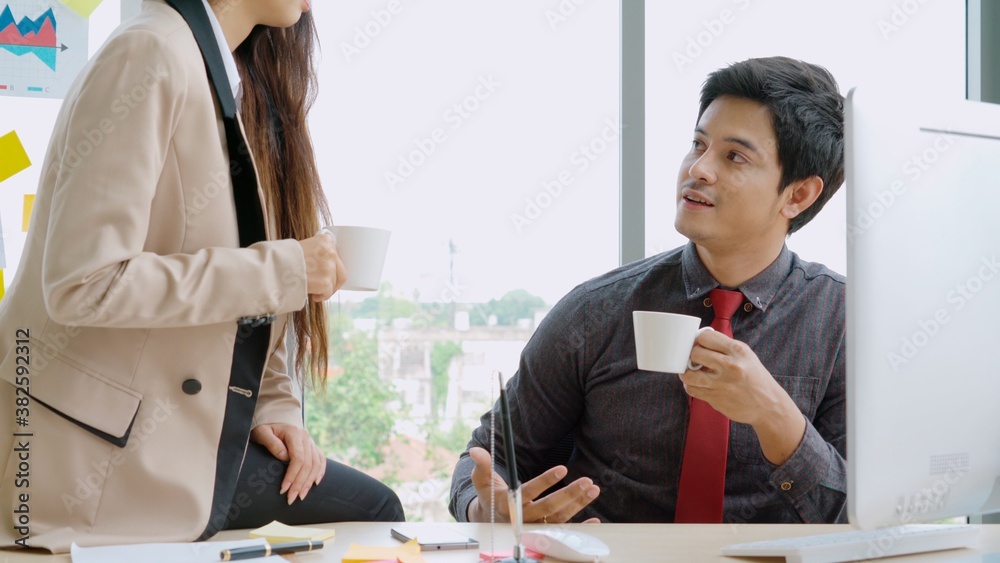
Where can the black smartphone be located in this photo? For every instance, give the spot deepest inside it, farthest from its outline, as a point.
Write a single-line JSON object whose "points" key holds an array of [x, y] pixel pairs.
{"points": [[433, 536]]}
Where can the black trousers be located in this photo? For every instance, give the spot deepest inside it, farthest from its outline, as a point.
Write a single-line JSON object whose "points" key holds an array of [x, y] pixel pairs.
{"points": [[344, 495]]}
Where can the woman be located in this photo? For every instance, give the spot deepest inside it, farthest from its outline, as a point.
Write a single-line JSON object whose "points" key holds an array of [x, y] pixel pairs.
{"points": [[141, 343]]}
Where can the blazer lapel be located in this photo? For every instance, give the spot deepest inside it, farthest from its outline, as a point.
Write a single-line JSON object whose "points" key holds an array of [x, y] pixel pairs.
{"points": [[197, 19], [249, 207]]}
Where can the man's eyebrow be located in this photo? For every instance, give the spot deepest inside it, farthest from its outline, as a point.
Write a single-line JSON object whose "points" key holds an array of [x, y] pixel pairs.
{"points": [[738, 140]]}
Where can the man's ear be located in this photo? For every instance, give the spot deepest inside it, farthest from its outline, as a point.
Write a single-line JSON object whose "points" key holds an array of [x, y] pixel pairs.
{"points": [[800, 195]]}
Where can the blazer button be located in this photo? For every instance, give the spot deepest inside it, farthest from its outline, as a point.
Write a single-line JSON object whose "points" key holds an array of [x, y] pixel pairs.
{"points": [[191, 386]]}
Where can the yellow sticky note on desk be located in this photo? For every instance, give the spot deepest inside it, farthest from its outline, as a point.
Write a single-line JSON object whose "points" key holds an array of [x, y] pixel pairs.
{"points": [[276, 532], [13, 157], [29, 203], [409, 552], [82, 7]]}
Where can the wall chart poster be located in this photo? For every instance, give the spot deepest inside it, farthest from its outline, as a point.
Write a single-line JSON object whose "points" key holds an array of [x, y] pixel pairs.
{"points": [[43, 46]]}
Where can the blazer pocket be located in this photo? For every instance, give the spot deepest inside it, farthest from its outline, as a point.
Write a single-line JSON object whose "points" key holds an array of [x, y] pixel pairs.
{"points": [[82, 396]]}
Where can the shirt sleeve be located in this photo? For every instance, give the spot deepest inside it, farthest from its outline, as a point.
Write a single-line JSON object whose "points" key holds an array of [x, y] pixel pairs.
{"points": [[814, 479], [545, 398]]}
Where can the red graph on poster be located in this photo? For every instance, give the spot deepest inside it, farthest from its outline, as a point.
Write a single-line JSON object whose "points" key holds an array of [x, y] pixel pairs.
{"points": [[37, 36]]}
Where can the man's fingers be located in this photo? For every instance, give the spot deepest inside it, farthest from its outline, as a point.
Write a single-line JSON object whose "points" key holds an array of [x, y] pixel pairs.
{"points": [[483, 469], [481, 472], [564, 504], [542, 483]]}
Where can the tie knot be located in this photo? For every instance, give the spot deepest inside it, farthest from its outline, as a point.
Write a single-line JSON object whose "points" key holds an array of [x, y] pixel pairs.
{"points": [[725, 302]]}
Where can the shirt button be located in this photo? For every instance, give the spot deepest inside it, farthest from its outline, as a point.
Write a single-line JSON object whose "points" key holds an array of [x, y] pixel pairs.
{"points": [[191, 386], [786, 486], [707, 302], [747, 307]]}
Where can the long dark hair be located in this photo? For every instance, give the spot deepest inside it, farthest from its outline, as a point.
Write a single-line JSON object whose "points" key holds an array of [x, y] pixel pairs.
{"points": [[279, 88]]}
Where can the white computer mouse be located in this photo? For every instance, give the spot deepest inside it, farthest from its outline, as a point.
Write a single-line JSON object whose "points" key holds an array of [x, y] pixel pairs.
{"points": [[566, 544]]}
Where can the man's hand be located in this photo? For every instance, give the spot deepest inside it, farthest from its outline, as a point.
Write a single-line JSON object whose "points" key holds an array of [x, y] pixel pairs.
{"points": [[734, 381], [287, 442], [557, 507]]}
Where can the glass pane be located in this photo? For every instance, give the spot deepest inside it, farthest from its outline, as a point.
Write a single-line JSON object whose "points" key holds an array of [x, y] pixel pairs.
{"points": [[485, 137], [906, 45]]}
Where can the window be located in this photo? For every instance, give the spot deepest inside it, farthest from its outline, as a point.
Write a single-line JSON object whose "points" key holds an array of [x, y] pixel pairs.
{"points": [[485, 137], [902, 44]]}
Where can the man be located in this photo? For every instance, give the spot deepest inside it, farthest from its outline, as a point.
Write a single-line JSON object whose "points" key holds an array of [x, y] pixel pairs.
{"points": [[766, 155]]}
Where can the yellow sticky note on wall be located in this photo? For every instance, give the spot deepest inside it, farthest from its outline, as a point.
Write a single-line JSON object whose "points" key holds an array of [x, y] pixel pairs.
{"points": [[13, 157], [29, 203], [3, 255], [83, 7]]}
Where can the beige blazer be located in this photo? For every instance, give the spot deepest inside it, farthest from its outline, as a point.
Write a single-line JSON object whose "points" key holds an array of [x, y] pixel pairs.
{"points": [[130, 285]]}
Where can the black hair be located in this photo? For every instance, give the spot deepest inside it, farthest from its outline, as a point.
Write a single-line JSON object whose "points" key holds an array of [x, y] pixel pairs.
{"points": [[807, 112]]}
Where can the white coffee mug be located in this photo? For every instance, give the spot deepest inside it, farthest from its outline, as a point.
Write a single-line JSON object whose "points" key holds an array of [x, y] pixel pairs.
{"points": [[362, 250], [663, 341]]}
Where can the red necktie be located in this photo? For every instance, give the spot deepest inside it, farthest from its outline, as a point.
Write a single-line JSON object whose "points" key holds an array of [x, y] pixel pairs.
{"points": [[703, 471]]}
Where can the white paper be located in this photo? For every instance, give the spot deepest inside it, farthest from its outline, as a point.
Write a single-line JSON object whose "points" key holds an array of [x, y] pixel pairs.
{"points": [[198, 552]]}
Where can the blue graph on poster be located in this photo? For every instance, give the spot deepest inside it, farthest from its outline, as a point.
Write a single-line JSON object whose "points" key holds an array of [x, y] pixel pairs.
{"points": [[37, 36], [43, 45]]}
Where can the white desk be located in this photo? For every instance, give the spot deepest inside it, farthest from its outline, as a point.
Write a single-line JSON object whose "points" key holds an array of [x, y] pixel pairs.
{"points": [[629, 543]]}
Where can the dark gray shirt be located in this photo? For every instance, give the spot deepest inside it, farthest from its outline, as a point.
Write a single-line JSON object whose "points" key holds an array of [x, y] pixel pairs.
{"points": [[578, 378]]}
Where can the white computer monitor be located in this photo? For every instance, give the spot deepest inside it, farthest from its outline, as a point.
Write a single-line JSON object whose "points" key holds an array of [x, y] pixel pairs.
{"points": [[923, 307]]}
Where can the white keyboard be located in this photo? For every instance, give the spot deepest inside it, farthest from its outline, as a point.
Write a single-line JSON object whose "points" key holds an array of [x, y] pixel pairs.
{"points": [[860, 545]]}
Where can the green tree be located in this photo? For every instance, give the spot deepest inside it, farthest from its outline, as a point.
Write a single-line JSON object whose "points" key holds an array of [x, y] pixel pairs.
{"points": [[514, 305], [385, 306], [442, 353], [350, 421]]}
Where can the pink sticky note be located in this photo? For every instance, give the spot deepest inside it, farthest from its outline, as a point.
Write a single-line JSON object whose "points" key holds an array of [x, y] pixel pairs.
{"points": [[487, 557]]}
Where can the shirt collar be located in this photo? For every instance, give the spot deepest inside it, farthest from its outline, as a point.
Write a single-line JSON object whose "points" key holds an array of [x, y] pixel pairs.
{"points": [[759, 290], [232, 72]]}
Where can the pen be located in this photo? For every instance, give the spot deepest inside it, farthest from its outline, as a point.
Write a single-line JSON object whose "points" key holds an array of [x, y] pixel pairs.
{"points": [[514, 492], [267, 550]]}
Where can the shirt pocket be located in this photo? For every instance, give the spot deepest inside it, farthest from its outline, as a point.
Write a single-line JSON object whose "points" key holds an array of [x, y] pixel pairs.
{"points": [[743, 442]]}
